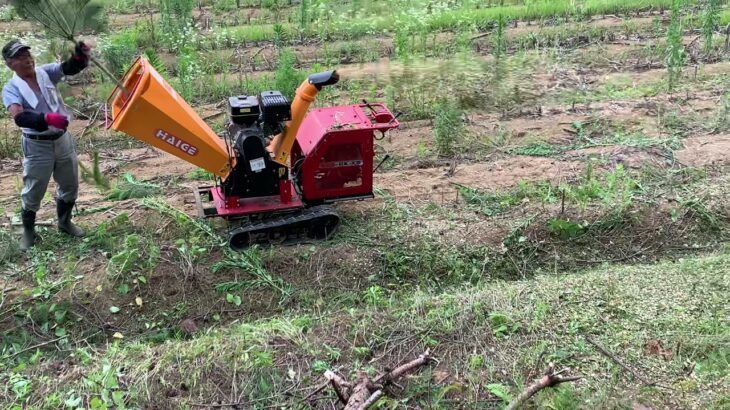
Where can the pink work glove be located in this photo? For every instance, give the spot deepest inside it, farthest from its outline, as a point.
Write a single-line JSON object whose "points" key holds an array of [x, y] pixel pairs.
{"points": [[57, 120]]}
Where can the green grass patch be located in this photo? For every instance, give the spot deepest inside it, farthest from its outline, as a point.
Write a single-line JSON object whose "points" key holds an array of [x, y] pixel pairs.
{"points": [[505, 327]]}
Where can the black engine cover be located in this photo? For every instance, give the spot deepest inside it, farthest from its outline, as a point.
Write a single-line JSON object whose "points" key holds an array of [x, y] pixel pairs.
{"points": [[255, 174]]}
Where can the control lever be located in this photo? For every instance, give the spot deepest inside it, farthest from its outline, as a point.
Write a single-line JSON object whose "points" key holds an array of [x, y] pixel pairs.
{"points": [[385, 158], [368, 105], [396, 117]]}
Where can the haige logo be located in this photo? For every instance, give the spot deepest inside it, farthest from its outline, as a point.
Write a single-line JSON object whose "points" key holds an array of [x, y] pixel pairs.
{"points": [[176, 142]]}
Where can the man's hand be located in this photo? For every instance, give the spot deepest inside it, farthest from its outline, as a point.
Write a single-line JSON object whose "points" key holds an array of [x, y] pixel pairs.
{"points": [[78, 61], [82, 51], [57, 120]]}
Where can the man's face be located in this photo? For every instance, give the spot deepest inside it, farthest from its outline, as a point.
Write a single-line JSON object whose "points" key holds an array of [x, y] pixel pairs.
{"points": [[23, 63]]}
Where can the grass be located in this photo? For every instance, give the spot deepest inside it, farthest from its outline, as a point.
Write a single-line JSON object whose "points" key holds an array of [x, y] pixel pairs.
{"points": [[414, 17], [506, 326]]}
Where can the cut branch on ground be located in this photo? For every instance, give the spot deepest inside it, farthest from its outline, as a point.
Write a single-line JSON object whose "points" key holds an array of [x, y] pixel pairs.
{"points": [[550, 379], [365, 392]]}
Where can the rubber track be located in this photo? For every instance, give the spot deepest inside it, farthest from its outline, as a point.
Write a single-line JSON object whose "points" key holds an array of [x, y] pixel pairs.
{"points": [[261, 231]]}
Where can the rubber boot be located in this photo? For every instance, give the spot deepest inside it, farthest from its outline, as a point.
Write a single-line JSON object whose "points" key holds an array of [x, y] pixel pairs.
{"points": [[64, 219], [28, 239]]}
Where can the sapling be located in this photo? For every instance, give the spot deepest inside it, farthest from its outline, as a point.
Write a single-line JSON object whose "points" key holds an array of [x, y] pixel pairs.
{"points": [[675, 54], [64, 18]]}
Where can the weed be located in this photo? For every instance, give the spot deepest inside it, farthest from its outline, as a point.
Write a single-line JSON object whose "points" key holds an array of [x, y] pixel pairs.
{"points": [[502, 325], [108, 392], [400, 43], [501, 391], [176, 16], [119, 50], [698, 207], [500, 45], [616, 193], [191, 226], [722, 118], [200, 174], [565, 229], [190, 252], [562, 397], [375, 296], [303, 18], [9, 248], [155, 61], [106, 235], [188, 71], [280, 36], [287, 78], [137, 257], [494, 203], [251, 262], [10, 146], [538, 149], [448, 127]]}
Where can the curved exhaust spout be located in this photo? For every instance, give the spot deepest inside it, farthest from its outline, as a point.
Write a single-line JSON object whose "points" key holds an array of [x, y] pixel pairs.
{"points": [[281, 145]]}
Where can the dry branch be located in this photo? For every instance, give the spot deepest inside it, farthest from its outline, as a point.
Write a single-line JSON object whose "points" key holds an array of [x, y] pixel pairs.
{"points": [[619, 362], [550, 379], [27, 349], [339, 384], [405, 368], [360, 393], [373, 398], [365, 392]]}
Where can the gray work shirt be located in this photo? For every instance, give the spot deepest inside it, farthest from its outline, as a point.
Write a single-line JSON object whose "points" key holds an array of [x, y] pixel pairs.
{"points": [[12, 95]]}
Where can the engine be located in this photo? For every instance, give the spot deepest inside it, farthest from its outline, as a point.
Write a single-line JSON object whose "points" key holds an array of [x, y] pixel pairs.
{"points": [[254, 120]]}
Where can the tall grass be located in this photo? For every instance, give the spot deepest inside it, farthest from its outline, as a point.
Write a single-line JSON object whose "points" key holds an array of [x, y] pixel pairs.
{"points": [[412, 14]]}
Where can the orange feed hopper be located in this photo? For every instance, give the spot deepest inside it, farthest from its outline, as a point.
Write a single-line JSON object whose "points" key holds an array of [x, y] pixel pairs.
{"points": [[150, 110]]}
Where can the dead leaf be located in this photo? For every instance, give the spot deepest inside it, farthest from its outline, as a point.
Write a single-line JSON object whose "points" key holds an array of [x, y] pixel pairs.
{"points": [[189, 326], [656, 348], [439, 376]]}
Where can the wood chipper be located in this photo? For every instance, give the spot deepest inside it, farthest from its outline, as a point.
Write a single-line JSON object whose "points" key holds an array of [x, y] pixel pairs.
{"points": [[279, 167]]}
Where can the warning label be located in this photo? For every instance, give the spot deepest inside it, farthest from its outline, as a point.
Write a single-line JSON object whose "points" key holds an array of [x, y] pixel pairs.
{"points": [[176, 142]]}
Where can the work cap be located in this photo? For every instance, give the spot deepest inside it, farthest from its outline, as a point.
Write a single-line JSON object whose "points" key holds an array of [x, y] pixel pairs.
{"points": [[13, 48]]}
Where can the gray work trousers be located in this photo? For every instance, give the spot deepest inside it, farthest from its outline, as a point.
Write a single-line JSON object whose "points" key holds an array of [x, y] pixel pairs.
{"points": [[43, 159]]}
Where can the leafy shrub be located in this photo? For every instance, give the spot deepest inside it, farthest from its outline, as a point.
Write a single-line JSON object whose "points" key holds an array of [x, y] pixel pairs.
{"points": [[287, 77], [119, 51]]}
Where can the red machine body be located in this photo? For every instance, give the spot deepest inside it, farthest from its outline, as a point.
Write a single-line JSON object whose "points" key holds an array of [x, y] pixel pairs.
{"points": [[336, 151], [332, 160]]}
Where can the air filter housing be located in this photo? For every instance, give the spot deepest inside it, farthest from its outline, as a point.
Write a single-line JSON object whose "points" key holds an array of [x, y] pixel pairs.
{"points": [[244, 109], [275, 107]]}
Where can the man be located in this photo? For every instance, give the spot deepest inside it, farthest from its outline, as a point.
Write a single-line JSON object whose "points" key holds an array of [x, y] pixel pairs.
{"points": [[37, 108]]}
